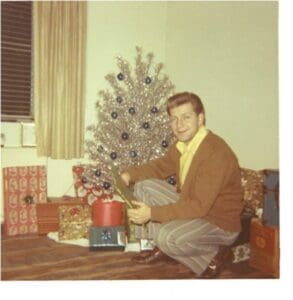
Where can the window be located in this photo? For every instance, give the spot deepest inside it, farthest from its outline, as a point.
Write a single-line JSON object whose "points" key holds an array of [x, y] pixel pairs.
{"points": [[16, 60]]}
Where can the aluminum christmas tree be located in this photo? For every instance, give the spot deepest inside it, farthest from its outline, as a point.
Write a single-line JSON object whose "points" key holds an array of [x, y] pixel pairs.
{"points": [[132, 125]]}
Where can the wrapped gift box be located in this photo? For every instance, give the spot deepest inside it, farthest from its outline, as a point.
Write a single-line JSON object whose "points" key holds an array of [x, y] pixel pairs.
{"points": [[74, 221], [264, 247], [108, 237], [85, 189], [24, 187], [47, 213], [108, 213], [271, 198]]}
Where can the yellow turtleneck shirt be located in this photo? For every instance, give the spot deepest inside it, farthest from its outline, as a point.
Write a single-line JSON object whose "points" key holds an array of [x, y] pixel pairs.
{"points": [[188, 150]]}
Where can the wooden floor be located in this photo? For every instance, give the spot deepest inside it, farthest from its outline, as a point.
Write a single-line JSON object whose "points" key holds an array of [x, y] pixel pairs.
{"points": [[40, 258]]}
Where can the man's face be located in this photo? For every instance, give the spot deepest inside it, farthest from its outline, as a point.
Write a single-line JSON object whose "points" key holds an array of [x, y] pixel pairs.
{"points": [[184, 122]]}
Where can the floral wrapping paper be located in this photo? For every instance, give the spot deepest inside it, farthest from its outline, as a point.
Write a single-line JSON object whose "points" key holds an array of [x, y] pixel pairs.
{"points": [[23, 188], [241, 253], [264, 247], [252, 183], [86, 190], [74, 221]]}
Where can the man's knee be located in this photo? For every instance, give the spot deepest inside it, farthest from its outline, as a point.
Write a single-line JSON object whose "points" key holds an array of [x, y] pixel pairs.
{"points": [[165, 240], [141, 187]]}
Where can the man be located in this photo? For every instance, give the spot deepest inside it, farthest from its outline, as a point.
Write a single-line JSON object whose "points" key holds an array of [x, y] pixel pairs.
{"points": [[194, 223]]}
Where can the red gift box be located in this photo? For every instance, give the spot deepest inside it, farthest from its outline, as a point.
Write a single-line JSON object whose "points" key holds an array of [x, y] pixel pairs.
{"points": [[86, 190], [264, 247], [23, 188], [108, 213]]}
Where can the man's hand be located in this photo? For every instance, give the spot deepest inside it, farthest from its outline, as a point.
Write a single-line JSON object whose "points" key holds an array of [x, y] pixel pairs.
{"points": [[125, 177], [139, 215]]}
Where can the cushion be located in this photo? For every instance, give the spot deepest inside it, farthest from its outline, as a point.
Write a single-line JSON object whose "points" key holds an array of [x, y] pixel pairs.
{"points": [[252, 183]]}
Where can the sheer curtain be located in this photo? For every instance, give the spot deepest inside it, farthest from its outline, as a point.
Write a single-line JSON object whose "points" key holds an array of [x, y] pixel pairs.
{"points": [[59, 77]]}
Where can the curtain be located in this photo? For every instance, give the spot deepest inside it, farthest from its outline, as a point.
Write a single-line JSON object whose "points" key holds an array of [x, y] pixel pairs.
{"points": [[59, 43]]}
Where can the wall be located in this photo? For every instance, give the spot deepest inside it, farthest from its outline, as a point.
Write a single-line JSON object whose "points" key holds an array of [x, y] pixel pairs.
{"points": [[115, 29], [224, 51], [227, 53]]}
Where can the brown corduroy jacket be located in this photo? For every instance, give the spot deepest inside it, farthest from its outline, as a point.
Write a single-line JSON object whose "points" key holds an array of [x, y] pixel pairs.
{"points": [[212, 189]]}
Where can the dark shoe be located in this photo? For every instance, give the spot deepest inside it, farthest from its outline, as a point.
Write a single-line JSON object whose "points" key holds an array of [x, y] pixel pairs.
{"points": [[141, 256], [153, 256], [223, 258]]}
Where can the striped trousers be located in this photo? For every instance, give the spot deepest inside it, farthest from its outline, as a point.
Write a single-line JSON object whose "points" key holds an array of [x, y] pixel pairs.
{"points": [[193, 242]]}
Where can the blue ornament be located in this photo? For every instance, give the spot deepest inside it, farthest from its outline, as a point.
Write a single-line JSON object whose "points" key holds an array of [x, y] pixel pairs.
{"points": [[113, 155], [148, 80], [106, 185], [131, 110], [164, 144], [133, 153], [119, 99], [124, 136], [98, 173], [114, 115], [146, 125], [154, 110], [120, 76]]}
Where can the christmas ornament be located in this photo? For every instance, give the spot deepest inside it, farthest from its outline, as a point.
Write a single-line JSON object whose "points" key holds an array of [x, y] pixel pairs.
{"points": [[98, 173], [134, 104], [146, 125], [106, 185], [124, 136], [148, 80], [165, 144], [120, 76], [131, 110], [113, 155], [119, 99], [133, 153], [114, 115]]}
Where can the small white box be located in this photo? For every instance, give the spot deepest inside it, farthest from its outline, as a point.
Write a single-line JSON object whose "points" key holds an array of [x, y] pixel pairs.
{"points": [[146, 244], [28, 135]]}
